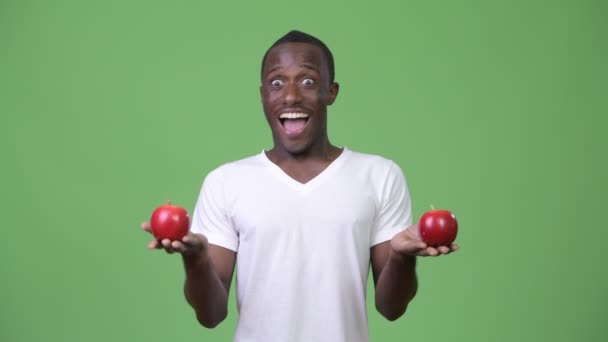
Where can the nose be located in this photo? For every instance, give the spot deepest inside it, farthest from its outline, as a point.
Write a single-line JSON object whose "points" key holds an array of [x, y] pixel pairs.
{"points": [[292, 94]]}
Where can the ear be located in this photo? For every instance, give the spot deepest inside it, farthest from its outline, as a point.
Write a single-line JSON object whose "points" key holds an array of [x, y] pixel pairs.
{"points": [[334, 88]]}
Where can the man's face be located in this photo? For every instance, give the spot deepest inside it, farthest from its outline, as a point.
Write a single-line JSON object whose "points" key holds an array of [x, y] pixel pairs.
{"points": [[295, 92]]}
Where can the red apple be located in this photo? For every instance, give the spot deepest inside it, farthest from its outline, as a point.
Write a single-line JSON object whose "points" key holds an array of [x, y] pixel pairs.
{"points": [[170, 222], [438, 227]]}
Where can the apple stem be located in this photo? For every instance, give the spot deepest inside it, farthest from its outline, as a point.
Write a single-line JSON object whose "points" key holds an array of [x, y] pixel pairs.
{"points": [[432, 207], [168, 202]]}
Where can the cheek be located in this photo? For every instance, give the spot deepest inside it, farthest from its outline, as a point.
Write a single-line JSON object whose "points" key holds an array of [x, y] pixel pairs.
{"points": [[271, 98], [322, 95], [270, 120], [266, 99], [314, 96]]}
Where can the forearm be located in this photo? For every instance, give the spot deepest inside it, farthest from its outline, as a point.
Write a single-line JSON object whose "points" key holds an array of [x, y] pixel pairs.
{"points": [[205, 291], [396, 285]]}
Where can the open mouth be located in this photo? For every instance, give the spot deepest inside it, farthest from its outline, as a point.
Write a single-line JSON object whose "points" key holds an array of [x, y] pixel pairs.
{"points": [[293, 123]]}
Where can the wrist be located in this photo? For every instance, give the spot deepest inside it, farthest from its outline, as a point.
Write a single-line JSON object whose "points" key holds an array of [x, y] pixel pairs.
{"points": [[196, 260], [401, 258]]}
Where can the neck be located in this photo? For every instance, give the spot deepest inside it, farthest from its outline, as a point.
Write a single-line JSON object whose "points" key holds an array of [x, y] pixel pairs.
{"points": [[321, 151]]}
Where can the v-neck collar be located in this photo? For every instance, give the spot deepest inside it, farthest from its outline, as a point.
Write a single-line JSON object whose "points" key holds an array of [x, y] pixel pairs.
{"points": [[314, 182]]}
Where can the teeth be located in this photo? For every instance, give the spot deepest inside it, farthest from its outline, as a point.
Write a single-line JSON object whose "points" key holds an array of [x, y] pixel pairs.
{"points": [[293, 115]]}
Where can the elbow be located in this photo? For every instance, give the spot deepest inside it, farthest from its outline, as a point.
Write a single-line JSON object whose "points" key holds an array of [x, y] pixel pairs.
{"points": [[392, 315], [210, 322], [392, 309]]}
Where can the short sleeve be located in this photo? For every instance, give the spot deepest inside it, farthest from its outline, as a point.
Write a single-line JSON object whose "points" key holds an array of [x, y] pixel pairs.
{"points": [[211, 216], [395, 209]]}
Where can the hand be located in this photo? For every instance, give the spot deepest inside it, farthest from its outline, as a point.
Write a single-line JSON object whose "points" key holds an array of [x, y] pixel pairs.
{"points": [[408, 242], [189, 245]]}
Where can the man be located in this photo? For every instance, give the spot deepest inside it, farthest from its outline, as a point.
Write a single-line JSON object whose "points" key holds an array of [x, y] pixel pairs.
{"points": [[302, 221]]}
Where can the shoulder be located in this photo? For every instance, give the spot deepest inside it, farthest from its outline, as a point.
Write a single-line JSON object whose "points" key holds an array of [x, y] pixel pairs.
{"points": [[237, 169], [374, 164], [380, 174]]}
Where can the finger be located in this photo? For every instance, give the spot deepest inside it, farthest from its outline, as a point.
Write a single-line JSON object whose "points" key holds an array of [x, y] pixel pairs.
{"points": [[166, 243], [430, 251], [154, 245], [178, 246], [454, 247], [146, 226], [443, 249]]}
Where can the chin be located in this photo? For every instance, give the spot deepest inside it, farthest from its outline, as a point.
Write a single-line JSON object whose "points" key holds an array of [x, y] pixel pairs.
{"points": [[296, 148]]}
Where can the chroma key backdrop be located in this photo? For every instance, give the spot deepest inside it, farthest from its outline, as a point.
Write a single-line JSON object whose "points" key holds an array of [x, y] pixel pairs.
{"points": [[495, 110]]}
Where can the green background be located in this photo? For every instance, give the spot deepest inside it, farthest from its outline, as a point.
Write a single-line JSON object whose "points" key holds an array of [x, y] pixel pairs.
{"points": [[494, 109]]}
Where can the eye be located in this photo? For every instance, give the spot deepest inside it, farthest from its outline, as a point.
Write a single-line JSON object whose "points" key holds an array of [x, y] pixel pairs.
{"points": [[276, 83], [308, 81]]}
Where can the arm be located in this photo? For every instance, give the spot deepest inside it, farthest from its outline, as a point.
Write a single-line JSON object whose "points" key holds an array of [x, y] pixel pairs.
{"points": [[395, 280], [207, 284], [208, 270], [394, 269]]}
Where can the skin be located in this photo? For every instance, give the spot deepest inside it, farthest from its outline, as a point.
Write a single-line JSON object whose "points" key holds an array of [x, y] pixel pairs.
{"points": [[208, 270], [295, 79]]}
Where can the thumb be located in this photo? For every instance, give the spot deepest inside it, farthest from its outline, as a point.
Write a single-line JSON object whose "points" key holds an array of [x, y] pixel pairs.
{"points": [[414, 231], [195, 241], [146, 226], [407, 244]]}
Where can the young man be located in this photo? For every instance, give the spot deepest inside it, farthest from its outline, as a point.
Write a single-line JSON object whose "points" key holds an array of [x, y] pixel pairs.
{"points": [[302, 221]]}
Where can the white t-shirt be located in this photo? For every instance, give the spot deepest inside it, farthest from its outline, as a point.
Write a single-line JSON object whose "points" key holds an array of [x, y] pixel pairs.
{"points": [[303, 250]]}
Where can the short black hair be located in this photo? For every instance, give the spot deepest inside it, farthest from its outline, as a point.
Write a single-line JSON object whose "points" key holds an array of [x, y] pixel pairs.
{"points": [[295, 36]]}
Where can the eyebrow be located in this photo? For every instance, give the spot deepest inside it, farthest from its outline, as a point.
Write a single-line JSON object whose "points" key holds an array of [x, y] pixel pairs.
{"points": [[311, 67], [306, 65], [273, 69]]}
